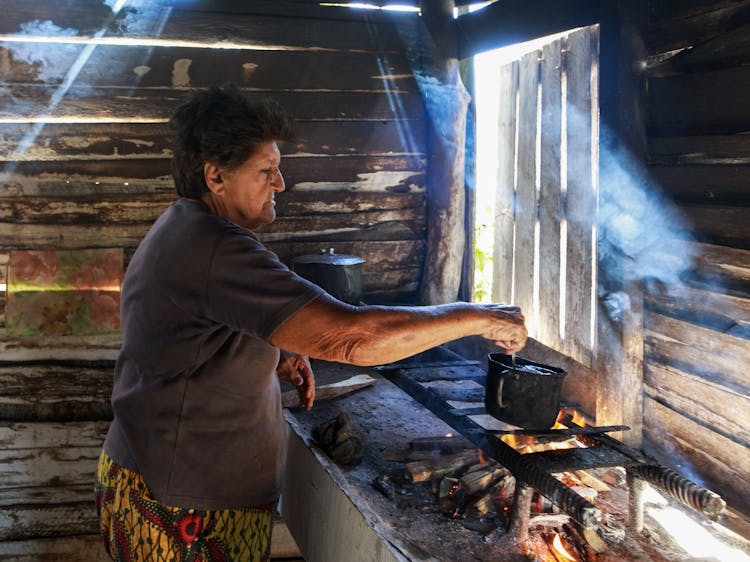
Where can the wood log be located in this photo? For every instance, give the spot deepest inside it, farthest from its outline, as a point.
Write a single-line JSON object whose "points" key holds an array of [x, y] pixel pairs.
{"points": [[505, 206], [389, 225], [580, 202], [148, 176], [421, 471], [695, 184], [699, 149], [551, 209], [526, 195], [61, 348], [128, 208], [714, 106], [149, 109], [591, 481], [677, 25], [23, 522], [723, 262], [716, 462], [40, 393], [46, 435], [723, 225], [718, 406], [82, 548], [715, 356], [46, 467], [159, 20], [707, 308], [729, 49], [482, 478], [111, 65], [144, 139], [41, 496]]}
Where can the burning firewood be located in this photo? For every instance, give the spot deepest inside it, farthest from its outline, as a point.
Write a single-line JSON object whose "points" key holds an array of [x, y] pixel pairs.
{"points": [[591, 481], [558, 549], [420, 471], [477, 480], [479, 506]]}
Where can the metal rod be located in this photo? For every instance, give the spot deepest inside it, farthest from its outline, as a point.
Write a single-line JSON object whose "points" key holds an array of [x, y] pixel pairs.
{"points": [[683, 490], [575, 430], [527, 471]]}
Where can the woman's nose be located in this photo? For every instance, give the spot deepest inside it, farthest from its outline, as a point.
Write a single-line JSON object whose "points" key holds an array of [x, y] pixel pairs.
{"points": [[278, 180]]}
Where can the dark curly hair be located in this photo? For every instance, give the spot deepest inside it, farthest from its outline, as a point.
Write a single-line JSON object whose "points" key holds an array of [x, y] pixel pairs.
{"points": [[224, 126]]}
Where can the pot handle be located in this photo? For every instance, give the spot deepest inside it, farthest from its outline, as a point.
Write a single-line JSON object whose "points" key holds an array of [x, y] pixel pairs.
{"points": [[500, 394]]}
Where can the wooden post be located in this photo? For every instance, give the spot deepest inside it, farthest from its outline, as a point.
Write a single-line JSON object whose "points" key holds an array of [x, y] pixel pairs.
{"points": [[619, 348], [446, 101]]}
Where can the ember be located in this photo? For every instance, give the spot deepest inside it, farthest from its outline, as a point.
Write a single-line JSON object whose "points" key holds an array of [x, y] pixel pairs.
{"points": [[566, 471]]}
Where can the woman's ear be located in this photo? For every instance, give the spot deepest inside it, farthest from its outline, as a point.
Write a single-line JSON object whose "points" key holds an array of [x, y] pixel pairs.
{"points": [[214, 180]]}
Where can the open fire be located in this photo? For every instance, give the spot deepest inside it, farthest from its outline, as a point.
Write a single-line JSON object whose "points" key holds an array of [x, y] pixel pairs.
{"points": [[560, 481]]}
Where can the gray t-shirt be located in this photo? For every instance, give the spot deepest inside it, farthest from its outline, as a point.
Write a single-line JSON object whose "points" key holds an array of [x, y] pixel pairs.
{"points": [[196, 400]]}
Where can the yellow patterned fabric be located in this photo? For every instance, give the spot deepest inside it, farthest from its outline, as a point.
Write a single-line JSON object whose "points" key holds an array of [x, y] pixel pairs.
{"points": [[136, 528]]}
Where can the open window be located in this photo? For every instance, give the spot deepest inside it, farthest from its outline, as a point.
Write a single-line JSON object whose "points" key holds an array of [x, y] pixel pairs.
{"points": [[537, 188]]}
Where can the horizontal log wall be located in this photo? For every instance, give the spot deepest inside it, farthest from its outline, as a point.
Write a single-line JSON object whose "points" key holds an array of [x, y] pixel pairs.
{"points": [[696, 407], [85, 95]]}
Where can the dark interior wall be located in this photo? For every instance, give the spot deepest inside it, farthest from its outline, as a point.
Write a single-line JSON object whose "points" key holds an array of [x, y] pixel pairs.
{"points": [[356, 172], [84, 163], [696, 348]]}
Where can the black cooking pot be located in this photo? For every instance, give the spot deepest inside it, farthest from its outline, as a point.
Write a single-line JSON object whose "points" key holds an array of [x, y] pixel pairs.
{"points": [[339, 274], [527, 395]]}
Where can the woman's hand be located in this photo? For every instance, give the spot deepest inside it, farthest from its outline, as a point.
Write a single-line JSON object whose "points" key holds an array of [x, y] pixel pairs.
{"points": [[296, 370], [506, 328]]}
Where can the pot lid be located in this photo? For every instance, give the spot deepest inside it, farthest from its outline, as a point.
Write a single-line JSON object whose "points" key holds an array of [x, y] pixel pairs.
{"points": [[329, 256]]}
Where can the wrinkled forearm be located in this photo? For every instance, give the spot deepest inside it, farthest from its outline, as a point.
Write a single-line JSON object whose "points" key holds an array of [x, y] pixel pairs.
{"points": [[372, 335]]}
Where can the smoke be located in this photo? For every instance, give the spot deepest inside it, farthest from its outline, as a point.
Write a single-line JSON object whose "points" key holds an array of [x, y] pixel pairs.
{"points": [[641, 235], [51, 64]]}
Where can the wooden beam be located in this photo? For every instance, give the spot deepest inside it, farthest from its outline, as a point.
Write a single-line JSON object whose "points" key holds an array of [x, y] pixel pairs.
{"points": [[514, 21], [447, 102], [505, 196], [619, 324]]}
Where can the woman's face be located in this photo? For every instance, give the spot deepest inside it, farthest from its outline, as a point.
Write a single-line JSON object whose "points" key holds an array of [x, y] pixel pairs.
{"points": [[248, 192]]}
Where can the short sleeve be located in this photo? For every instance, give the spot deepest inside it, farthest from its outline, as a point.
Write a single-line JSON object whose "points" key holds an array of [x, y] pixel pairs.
{"points": [[250, 290]]}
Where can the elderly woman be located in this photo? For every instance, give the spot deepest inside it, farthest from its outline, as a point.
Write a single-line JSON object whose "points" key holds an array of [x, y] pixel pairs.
{"points": [[192, 463]]}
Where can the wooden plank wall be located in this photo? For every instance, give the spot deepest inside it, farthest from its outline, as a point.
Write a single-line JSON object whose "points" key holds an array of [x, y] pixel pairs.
{"points": [[696, 408], [545, 196], [84, 163]]}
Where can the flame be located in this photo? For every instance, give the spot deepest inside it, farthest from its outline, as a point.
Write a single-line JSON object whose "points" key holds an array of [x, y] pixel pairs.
{"points": [[579, 419], [531, 444], [560, 551]]}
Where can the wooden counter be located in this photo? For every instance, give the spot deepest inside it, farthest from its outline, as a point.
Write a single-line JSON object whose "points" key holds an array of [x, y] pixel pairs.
{"points": [[335, 514]]}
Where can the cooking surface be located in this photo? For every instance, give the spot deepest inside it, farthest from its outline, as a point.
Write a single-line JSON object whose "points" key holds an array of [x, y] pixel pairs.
{"points": [[389, 419]]}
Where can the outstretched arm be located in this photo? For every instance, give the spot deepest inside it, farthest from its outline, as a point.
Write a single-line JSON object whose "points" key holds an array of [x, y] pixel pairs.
{"points": [[370, 335]]}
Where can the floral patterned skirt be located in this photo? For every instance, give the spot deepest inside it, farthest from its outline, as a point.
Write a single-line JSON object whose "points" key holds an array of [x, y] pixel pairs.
{"points": [[137, 528]]}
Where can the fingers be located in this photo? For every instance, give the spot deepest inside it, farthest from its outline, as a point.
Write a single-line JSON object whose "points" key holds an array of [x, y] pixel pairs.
{"points": [[308, 383], [296, 369], [507, 327]]}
